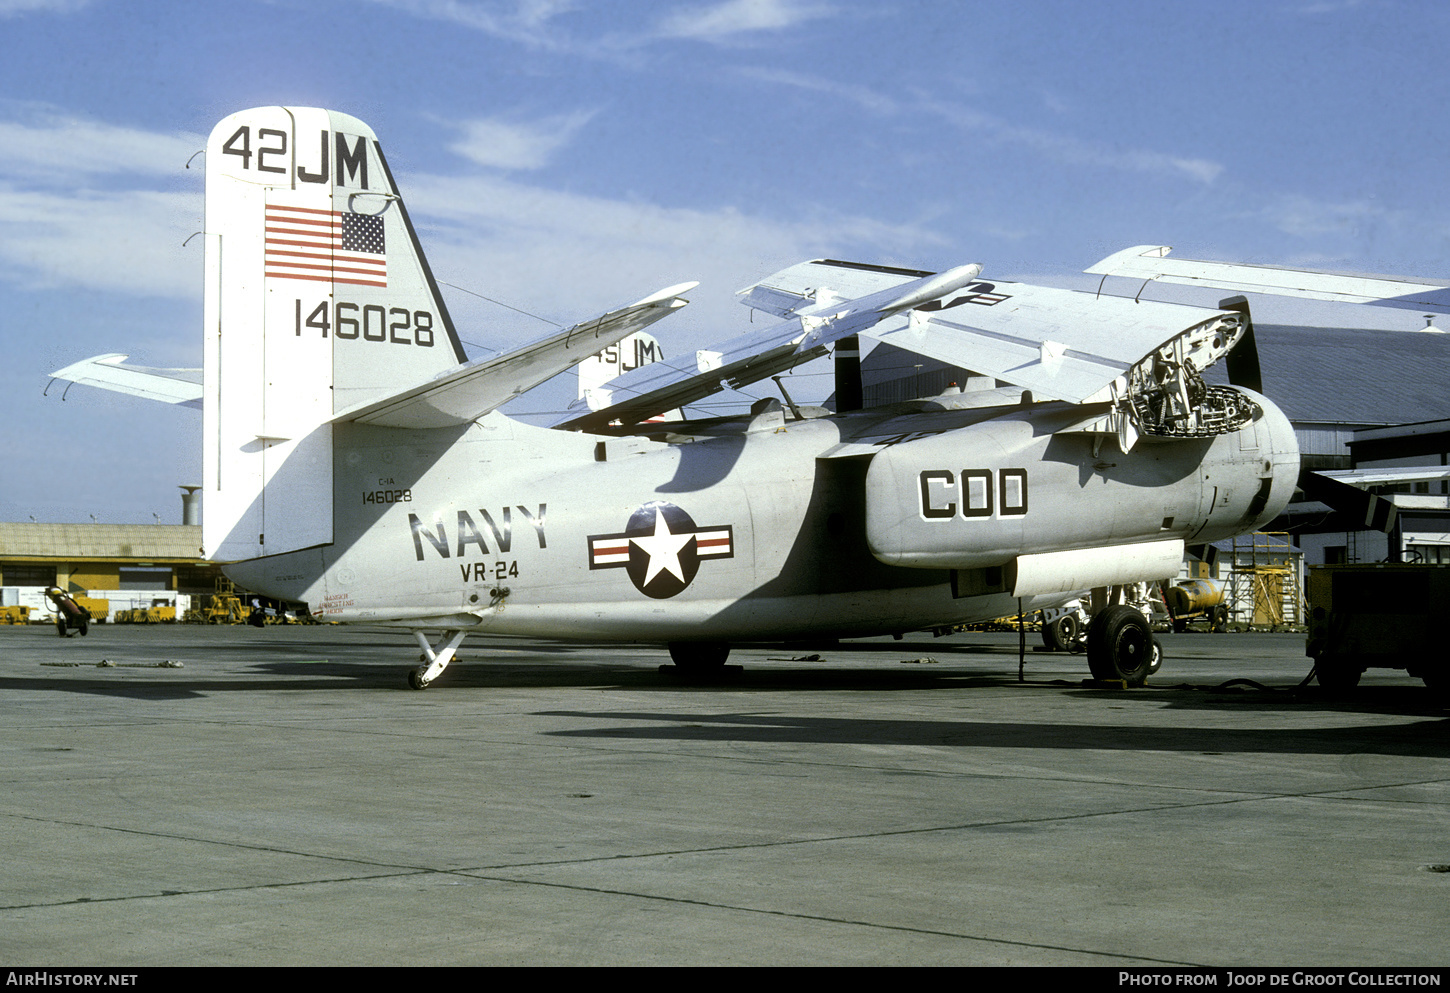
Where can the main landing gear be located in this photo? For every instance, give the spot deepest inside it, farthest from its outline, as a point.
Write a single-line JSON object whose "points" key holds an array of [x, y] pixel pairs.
{"points": [[1121, 646], [699, 658], [437, 658]]}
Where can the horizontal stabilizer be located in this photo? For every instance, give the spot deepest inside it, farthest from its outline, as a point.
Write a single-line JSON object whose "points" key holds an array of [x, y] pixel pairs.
{"points": [[1151, 262], [468, 392], [1062, 344], [179, 386]]}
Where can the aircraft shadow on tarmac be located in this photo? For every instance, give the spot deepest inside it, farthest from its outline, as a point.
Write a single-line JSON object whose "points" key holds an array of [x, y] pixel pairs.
{"points": [[281, 665], [1426, 739]]}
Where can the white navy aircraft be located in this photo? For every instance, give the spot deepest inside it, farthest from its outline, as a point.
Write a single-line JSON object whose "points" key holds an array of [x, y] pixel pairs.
{"points": [[355, 461]]}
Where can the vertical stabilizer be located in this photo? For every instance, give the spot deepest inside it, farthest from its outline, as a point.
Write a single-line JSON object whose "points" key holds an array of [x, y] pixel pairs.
{"points": [[317, 298], [625, 355]]}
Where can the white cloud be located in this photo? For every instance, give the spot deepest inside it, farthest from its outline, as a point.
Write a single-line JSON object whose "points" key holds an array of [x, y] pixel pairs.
{"points": [[864, 97], [1304, 217], [530, 22], [14, 8], [730, 19], [53, 148], [569, 256], [514, 145], [1057, 147], [95, 205], [1327, 7], [539, 23], [128, 241], [1076, 151]]}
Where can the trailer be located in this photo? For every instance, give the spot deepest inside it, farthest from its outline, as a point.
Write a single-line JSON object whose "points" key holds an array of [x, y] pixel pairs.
{"points": [[1377, 616]]}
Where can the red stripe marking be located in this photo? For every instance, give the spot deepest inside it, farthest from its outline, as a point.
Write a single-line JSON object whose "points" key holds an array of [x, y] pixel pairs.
{"points": [[301, 244], [331, 222], [329, 268], [305, 210], [326, 279]]}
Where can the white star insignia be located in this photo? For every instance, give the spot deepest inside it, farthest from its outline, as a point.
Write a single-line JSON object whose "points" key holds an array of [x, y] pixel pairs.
{"points": [[663, 548]]}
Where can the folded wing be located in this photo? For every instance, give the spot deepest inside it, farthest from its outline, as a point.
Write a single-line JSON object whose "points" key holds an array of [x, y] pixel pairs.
{"points": [[1065, 344], [814, 297], [470, 391], [1152, 262]]}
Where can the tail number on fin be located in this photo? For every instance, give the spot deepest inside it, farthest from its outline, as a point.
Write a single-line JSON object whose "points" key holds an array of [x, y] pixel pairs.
{"points": [[645, 352], [371, 322], [271, 155]]}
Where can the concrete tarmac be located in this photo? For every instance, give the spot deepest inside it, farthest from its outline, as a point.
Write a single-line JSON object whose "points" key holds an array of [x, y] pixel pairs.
{"points": [[284, 799]]}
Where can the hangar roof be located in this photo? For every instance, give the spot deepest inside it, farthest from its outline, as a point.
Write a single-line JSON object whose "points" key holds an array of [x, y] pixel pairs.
{"points": [[1354, 376], [1316, 375], [142, 542]]}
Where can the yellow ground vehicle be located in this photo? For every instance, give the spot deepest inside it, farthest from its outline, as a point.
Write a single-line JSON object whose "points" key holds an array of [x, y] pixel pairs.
{"points": [[155, 614], [1197, 600]]}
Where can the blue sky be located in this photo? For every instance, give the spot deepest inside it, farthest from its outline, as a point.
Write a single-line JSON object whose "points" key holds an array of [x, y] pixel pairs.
{"points": [[570, 157]]}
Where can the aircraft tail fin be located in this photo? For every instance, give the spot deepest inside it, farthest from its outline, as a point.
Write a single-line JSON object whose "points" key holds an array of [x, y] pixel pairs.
{"points": [[639, 349], [317, 298]]}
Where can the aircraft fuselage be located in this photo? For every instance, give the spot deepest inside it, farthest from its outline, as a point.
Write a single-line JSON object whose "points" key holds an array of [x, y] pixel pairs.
{"points": [[851, 525]]}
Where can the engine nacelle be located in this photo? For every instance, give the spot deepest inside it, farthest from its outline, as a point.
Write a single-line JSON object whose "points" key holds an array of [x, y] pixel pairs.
{"points": [[984, 495]]}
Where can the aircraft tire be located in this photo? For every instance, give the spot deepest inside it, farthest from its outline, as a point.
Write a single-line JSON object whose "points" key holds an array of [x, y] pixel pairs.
{"points": [[1059, 635], [1337, 673], [1218, 619], [1120, 645], [1435, 681], [1156, 662], [415, 679], [699, 656]]}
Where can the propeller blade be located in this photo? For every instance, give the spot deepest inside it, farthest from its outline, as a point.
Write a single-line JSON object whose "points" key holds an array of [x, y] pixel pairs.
{"points": [[1243, 362], [1354, 503], [849, 395]]}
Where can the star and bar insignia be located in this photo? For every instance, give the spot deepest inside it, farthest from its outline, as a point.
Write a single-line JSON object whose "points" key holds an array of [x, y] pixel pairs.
{"points": [[661, 547]]}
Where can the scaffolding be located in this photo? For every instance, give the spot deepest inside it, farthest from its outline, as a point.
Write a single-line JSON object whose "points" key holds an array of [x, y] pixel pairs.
{"points": [[1265, 587]]}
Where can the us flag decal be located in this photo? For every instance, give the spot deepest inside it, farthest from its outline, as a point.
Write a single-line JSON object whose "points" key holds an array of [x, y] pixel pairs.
{"points": [[327, 246]]}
